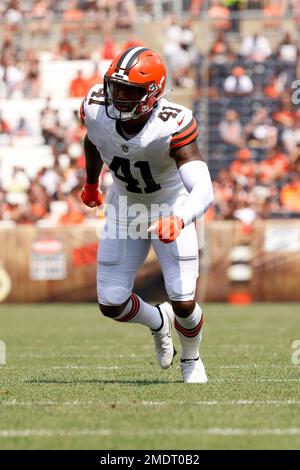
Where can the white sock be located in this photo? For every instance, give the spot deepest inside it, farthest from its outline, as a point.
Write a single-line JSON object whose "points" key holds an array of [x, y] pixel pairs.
{"points": [[138, 311], [190, 332]]}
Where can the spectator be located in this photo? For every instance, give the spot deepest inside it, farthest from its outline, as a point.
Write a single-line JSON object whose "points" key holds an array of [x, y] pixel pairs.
{"points": [[18, 182], [238, 83], [181, 67], [78, 86], [219, 16], [285, 115], [82, 49], [243, 168], [180, 53], [39, 201], [260, 131], [276, 85], [234, 7], [287, 49], [291, 136], [65, 48], [22, 128], [31, 86], [49, 178], [13, 16], [273, 13], [51, 128], [125, 14], [109, 47], [290, 195], [11, 77], [220, 52], [256, 48], [5, 132], [274, 167], [72, 17], [40, 18], [231, 130], [76, 211]]}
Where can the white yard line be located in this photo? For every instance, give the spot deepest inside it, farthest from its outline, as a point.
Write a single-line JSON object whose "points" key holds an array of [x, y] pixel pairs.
{"points": [[255, 432], [152, 403]]}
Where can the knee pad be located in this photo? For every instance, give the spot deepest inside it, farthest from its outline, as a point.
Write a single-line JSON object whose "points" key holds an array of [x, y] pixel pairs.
{"points": [[111, 295]]}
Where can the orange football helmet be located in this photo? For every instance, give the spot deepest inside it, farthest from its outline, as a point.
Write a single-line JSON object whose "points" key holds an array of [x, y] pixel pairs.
{"points": [[133, 83]]}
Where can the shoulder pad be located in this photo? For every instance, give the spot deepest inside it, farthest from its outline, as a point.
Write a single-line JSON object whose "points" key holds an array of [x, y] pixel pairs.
{"points": [[90, 106]]}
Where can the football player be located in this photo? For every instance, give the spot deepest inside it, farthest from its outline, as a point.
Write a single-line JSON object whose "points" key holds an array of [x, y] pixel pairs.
{"points": [[150, 146]]}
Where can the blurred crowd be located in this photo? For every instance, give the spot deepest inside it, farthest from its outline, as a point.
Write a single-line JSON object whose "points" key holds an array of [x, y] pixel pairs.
{"points": [[253, 125]]}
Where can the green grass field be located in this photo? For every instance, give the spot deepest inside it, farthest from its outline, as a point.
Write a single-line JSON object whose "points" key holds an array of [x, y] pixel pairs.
{"points": [[75, 380]]}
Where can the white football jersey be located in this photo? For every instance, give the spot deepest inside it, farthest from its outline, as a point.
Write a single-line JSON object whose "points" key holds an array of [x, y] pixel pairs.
{"points": [[141, 167]]}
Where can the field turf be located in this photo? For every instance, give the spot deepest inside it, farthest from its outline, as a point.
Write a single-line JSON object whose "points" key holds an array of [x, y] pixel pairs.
{"points": [[75, 380]]}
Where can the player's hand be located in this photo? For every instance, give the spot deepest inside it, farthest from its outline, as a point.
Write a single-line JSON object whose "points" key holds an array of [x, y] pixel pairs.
{"points": [[91, 196], [168, 228]]}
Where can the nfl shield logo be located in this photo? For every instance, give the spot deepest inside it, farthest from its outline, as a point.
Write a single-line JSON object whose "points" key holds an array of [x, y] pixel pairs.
{"points": [[125, 148]]}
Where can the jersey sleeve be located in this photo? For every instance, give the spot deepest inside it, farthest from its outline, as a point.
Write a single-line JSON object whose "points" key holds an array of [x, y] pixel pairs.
{"points": [[89, 110], [90, 105], [186, 132]]}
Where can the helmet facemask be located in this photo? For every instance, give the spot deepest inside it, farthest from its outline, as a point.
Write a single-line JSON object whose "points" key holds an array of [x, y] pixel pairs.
{"points": [[139, 98]]}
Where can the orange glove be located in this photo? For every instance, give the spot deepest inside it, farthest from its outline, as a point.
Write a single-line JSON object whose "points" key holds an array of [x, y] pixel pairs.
{"points": [[91, 196], [168, 228]]}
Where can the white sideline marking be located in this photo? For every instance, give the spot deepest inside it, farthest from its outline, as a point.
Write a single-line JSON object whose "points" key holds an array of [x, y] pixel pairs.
{"points": [[151, 403], [54, 433], [220, 402], [253, 366], [81, 356], [221, 380], [97, 367], [11, 433], [254, 432]]}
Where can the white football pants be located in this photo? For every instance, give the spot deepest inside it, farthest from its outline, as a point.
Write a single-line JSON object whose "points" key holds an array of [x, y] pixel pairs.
{"points": [[119, 261]]}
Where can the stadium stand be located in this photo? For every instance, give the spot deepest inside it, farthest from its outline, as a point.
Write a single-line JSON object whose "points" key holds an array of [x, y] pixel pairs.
{"points": [[242, 100]]}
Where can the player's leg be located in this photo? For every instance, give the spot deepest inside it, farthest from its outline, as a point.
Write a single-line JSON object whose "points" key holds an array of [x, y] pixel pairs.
{"points": [[179, 263], [118, 262]]}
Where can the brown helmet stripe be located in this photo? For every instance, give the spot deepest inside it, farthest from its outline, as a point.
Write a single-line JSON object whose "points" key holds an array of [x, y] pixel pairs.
{"points": [[124, 55], [128, 57], [135, 55]]}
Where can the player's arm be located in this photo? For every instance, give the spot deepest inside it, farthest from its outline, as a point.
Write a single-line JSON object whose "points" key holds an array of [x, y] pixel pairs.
{"points": [[90, 194], [196, 179], [93, 161]]}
